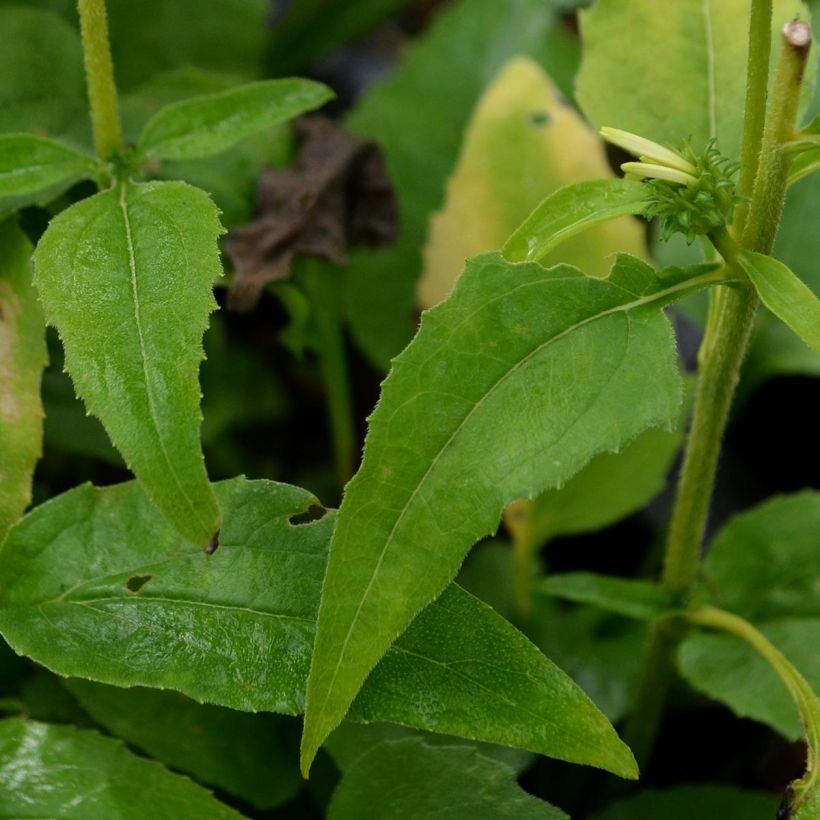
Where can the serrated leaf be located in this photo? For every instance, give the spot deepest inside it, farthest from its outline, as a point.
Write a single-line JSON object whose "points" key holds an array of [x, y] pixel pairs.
{"points": [[571, 210], [22, 359], [643, 600], [126, 278], [410, 780], [687, 802], [732, 672], [785, 295], [523, 143], [448, 68], [60, 771], [510, 387], [96, 584], [765, 563], [250, 756], [211, 123], [687, 61]]}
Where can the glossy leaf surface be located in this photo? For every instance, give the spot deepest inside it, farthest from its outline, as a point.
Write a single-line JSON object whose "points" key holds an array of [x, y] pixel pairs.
{"points": [[60, 771], [683, 74], [411, 780], [22, 359], [97, 585], [785, 295], [126, 278], [522, 144], [212, 123], [510, 387], [570, 211], [246, 755]]}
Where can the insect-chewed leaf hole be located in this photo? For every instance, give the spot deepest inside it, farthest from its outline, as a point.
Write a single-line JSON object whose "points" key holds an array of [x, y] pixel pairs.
{"points": [[136, 582], [315, 512]]}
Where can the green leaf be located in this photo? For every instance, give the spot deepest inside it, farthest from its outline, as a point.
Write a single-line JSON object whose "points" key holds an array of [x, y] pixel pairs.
{"points": [[683, 75], [22, 358], [42, 86], [570, 211], [785, 295], [804, 165], [126, 277], [688, 802], [30, 165], [448, 68], [643, 600], [765, 562], [212, 123], [159, 35], [510, 387], [60, 771], [96, 584], [731, 671], [522, 143], [246, 755], [410, 780]]}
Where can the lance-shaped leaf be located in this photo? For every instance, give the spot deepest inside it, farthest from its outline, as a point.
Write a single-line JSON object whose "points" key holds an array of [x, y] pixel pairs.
{"points": [[126, 277], [412, 780], [60, 771], [671, 71], [510, 387], [96, 584], [571, 210], [211, 123], [785, 295], [22, 358], [30, 165]]}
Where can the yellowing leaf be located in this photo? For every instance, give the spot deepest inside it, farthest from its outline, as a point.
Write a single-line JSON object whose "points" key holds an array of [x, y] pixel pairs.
{"points": [[523, 143]]}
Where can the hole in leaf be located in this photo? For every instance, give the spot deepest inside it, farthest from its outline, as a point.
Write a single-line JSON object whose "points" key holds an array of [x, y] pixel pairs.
{"points": [[539, 119], [136, 582], [315, 512]]}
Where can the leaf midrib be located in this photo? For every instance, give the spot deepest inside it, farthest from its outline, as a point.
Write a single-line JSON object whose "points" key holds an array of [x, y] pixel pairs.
{"points": [[640, 302]]}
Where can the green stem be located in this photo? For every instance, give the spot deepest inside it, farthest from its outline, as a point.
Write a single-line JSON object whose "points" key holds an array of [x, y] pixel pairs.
{"points": [[722, 353], [797, 686], [757, 81], [99, 74], [333, 363]]}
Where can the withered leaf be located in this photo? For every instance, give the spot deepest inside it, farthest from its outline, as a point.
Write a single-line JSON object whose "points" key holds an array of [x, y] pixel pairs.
{"points": [[336, 193]]}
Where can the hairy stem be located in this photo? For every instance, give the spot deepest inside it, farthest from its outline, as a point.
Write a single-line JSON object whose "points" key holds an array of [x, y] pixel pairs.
{"points": [[99, 75], [722, 353]]}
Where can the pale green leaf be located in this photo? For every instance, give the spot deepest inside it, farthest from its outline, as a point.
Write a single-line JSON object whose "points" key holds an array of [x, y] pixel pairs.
{"points": [[810, 810], [522, 144], [671, 71], [643, 600], [60, 771], [211, 123], [805, 165], [250, 756], [447, 68], [510, 387], [765, 563], [785, 295], [30, 165], [22, 359], [96, 584], [705, 802], [411, 780], [126, 277], [731, 671], [570, 211]]}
